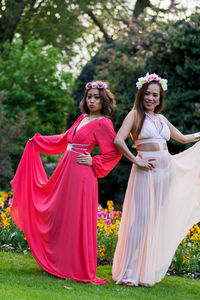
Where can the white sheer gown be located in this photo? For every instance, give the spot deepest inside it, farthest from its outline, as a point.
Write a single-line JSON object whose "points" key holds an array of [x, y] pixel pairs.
{"points": [[160, 207]]}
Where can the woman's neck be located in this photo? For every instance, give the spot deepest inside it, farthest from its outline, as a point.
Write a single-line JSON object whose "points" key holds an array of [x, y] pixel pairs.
{"points": [[92, 116], [150, 113]]}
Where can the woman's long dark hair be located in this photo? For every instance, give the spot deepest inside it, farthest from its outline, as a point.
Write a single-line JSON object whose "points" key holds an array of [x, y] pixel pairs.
{"points": [[139, 110]]}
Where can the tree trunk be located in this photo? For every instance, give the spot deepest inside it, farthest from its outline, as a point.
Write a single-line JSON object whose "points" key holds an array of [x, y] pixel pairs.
{"points": [[10, 19]]}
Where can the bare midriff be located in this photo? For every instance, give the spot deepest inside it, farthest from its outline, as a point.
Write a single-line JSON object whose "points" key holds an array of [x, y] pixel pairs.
{"points": [[151, 147]]}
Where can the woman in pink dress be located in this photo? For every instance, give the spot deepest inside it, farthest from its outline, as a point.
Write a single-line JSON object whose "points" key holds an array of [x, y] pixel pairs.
{"points": [[162, 200], [59, 215]]}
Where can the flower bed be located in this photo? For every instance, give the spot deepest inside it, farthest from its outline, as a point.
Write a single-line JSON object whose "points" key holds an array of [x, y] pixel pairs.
{"points": [[10, 236], [185, 261], [107, 231], [187, 257]]}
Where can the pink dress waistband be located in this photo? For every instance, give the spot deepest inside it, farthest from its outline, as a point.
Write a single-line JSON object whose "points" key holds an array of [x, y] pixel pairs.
{"points": [[80, 147]]}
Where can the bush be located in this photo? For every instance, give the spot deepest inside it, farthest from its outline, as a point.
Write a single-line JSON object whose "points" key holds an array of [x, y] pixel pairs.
{"points": [[107, 232], [10, 131], [11, 238], [168, 48], [32, 85], [185, 261], [187, 256]]}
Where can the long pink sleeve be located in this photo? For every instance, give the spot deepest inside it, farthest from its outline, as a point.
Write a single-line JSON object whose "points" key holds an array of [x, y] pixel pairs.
{"points": [[30, 176], [51, 145], [110, 155]]}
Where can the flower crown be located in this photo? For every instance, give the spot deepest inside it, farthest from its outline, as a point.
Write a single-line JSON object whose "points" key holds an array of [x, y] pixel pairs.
{"points": [[96, 85], [150, 77]]}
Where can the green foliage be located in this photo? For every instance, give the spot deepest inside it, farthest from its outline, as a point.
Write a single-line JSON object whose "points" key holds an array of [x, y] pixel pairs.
{"points": [[106, 243], [33, 88], [75, 26], [178, 260], [10, 130], [13, 238], [32, 82], [55, 22], [107, 232], [168, 48], [187, 256], [10, 236]]}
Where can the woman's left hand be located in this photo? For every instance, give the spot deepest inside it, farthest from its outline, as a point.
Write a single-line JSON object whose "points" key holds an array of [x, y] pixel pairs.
{"points": [[84, 159]]}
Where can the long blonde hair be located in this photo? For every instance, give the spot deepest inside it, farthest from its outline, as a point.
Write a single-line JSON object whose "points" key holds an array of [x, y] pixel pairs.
{"points": [[139, 110]]}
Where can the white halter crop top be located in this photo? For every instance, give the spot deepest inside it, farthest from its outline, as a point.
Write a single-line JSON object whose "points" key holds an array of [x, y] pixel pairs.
{"points": [[150, 132]]}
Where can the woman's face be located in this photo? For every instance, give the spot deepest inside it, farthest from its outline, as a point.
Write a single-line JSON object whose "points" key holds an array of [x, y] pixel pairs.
{"points": [[93, 101], [151, 97]]}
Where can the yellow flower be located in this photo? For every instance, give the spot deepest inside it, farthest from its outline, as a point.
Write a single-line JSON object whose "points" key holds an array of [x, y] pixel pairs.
{"points": [[3, 215], [1, 201], [102, 250], [112, 226], [7, 210], [5, 220], [109, 202], [100, 225]]}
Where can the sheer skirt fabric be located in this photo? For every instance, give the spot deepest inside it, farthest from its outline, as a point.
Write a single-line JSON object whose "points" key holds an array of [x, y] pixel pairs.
{"points": [[160, 207]]}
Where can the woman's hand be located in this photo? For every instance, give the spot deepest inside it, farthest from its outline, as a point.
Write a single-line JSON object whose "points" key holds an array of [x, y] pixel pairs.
{"points": [[31, 139], [146, 164], [84, 159]]}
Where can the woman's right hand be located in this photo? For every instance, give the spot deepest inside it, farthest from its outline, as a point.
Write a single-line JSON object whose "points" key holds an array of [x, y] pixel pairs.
{"points": [[146, 164]]}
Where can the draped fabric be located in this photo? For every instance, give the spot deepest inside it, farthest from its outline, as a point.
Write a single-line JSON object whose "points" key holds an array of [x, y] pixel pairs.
{"points": [[160, 207], [58, 215]]}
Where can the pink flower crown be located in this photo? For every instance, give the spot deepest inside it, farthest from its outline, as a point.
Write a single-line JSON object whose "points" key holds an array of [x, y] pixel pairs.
{"points": [[150, 77], [96, 85]]}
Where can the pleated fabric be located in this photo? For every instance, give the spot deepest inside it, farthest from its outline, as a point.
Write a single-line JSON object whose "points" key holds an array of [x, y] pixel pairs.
{"points": [[159, 209], [59, 215]]}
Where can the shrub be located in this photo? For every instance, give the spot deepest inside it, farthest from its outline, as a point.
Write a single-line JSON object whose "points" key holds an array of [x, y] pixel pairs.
{"points": [[168, 48], [33, 86]]}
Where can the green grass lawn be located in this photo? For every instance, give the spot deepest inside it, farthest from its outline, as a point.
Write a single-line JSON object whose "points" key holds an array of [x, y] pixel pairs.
{"points": [[21, 278]]}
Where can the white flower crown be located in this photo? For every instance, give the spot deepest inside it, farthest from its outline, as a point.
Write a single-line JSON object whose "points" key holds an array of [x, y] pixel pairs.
{"points": [[149, 78]]}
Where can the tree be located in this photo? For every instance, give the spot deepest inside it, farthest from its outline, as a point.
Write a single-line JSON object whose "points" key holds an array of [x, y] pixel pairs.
{"points": [[33, 84], [10, 130], [55, 22], [65, 23], [169, 48]]}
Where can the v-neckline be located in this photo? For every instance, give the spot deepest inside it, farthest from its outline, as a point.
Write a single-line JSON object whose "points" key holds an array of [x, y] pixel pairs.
{"points": [[84, 116], [154, 122]]}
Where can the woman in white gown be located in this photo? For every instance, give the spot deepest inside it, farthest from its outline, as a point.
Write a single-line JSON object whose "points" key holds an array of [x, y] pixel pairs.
{"points": [[162, 200]]}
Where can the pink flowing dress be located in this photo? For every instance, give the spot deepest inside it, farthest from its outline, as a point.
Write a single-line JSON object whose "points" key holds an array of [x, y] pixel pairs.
{"points": [[59, 215], [160, 207]]}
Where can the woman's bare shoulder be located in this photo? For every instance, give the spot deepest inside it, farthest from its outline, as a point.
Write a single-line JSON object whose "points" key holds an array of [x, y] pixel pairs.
{"points": [[163, 118], [130, 115]]}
